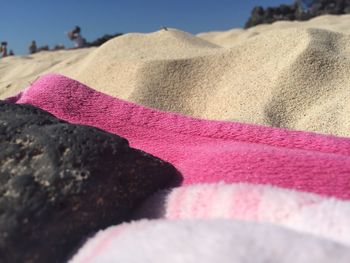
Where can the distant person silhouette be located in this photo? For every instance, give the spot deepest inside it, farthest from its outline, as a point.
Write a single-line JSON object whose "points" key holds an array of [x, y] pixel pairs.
{"points": [[33, 48], [76, 37], [3, 49], [11, 53]]}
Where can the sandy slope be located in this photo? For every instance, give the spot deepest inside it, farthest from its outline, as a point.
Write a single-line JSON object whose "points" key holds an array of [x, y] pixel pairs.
{"points": [[289, 74], [231, 37]]}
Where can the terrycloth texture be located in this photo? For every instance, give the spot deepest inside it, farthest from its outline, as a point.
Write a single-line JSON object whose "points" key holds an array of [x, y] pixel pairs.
{"points": [[205, 151], [309, 213], [207, 242]]}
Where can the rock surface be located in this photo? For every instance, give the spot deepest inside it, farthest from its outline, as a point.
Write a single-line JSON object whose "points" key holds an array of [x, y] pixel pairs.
{"points": [[300, 10], [60, 183]]}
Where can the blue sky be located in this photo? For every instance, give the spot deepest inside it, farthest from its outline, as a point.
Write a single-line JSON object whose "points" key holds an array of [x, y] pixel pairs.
{"points": [[46, 21]]}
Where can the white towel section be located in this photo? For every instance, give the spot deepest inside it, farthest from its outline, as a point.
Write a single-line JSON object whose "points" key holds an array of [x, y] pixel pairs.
{"points": [[207, 241], [305, 212]]}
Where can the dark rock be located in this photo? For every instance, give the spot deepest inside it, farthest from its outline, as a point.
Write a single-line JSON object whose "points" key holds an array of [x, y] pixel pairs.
{"points": [[60, 183], [297, 11]]}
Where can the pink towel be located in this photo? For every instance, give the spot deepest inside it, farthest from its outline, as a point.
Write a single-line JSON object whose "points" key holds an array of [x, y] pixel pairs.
{"points": [[205, 151], [207, 241], [305, 212]]}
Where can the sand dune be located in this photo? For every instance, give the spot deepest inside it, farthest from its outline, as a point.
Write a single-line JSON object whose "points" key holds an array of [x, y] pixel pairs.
{"points": [[288, 74], [19, 71], [339, 24]]}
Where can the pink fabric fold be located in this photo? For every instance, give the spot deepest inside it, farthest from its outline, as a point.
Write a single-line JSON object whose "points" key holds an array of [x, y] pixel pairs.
{"points": [[305, 212], [204, 151]]}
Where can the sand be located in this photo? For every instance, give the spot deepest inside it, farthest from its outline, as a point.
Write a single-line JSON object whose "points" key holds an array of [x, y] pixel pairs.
{"points": [[289, 74]]}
